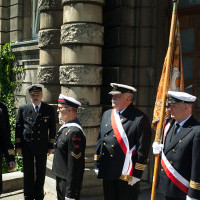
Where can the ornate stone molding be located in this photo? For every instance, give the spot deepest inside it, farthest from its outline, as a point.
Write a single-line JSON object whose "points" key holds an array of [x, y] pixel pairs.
{"points": [[49, 38], [50, 5], [48, 75], [82, 33], [81, 75]]}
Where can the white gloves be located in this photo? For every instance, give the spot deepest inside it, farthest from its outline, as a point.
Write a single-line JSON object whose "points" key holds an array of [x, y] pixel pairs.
{"points": [[189, 198], [96, 171], [157, 148], [134, 181], [66, 198]]}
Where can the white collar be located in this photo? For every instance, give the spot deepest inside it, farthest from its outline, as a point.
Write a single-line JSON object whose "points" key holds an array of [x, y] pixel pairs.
{"points": [[121, 111], [34, 106], [183, 122]]}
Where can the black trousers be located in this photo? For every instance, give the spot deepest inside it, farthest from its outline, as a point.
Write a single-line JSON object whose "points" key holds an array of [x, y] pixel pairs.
{"points": [[33, 185], [61, 185], [119, 190]]}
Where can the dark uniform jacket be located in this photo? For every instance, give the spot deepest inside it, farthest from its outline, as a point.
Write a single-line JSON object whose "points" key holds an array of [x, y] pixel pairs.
{"points": [[35, 133], [183, 152], [109, 158], [69, 158], [6, 116], [6, 147]]}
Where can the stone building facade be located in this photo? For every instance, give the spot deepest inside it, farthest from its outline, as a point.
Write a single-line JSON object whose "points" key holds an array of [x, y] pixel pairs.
{"points": [[78, 47]]}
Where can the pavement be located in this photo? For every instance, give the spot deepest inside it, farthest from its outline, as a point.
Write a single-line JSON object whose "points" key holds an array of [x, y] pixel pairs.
{"points": [[18, 195], [14, 182]]}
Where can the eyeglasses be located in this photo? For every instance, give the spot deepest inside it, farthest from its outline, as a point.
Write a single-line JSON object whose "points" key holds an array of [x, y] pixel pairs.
{"points": [[60, 108]]}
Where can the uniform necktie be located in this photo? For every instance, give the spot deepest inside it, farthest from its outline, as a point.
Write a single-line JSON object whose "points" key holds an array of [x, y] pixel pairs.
{"points": [[175, 129], [36, 109]]}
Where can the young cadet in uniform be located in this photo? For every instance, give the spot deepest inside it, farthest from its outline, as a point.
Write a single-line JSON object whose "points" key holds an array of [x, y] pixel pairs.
{"points": [[6, 146], [69, 156], [34, 138], [180, 158], [122, 146]]}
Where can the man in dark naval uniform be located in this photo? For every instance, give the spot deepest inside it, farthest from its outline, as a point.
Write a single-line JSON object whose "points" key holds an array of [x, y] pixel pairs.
{"points": [[180, 158], [6, 116], [69, 156], [6, 146], [34, 138], [122, 146]]}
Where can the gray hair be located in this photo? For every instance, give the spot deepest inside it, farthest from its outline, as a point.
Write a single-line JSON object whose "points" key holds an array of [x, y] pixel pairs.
{"points": [[131, 96]]}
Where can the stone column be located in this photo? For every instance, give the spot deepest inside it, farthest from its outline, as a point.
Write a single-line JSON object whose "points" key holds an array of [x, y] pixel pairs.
{"points": [[81, 70], [50, 48]]}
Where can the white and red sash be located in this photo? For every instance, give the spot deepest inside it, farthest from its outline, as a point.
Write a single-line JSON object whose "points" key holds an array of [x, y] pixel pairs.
{"points": [[172, 174], [122, 139]]}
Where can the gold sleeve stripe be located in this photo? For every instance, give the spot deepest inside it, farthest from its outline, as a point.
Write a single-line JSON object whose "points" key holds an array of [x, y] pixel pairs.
{"points": [[76, 156], [139, 166], [96, 157], [195, 185], [17, 140], [51, 140], [11, 152]]}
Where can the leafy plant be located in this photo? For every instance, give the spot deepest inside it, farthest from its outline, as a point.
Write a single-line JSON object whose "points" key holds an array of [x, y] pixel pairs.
{"points": [[8, 73]]}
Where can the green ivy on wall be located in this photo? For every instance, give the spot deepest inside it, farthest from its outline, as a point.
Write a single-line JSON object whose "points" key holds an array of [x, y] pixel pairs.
{"points": [[8, 73]]}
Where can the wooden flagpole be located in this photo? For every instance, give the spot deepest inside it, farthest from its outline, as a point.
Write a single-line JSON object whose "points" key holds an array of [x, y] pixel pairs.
{"points": [[158, 137]]}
